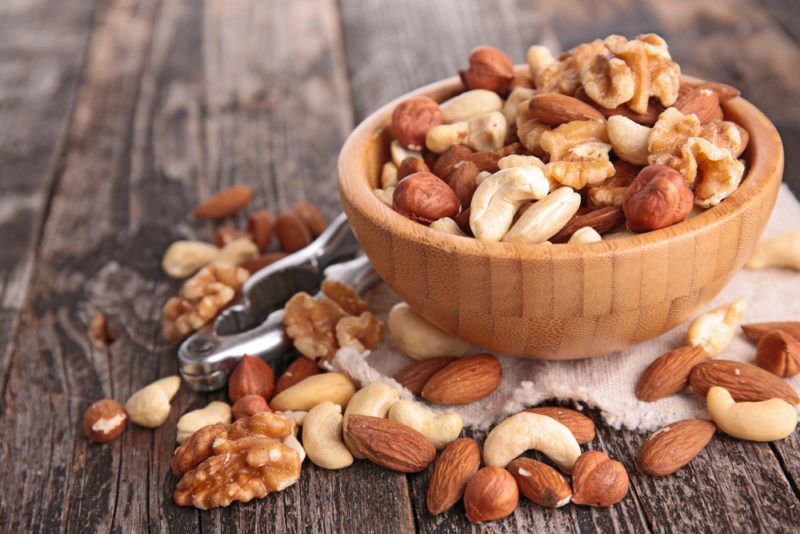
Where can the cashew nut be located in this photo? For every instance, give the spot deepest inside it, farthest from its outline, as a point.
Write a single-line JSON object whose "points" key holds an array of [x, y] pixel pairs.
{"points": [[767, 420], [525, 431], [385, 195], [483, 133], [539, 58], [629, 139], [516, 160], [517, 97], [482, 177], [470, 104], [586, 234], [184, 258], [237, 252], [545, 218], [322, 437], [373, 400], [447, 225], [399, 153], [779, 251], [389, 175], [439, 429], [334, 387], [149, 407], [498, 198], [714, 330], [191, 422], [420, 339]]}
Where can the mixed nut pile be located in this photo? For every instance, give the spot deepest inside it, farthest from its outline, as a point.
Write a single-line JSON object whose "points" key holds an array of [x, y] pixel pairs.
{"points": [[604, 138]]}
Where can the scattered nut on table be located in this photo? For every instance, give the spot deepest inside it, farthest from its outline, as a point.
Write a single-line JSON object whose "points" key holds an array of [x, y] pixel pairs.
{"points": [[191, 422], [525, 431], [104, 421], [768, 420], [150, 406]]}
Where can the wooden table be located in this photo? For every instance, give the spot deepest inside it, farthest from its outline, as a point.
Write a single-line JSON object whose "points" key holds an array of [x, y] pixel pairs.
{"points": [[116, 116]]}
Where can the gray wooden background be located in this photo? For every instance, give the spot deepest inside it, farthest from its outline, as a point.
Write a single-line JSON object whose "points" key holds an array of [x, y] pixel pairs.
{"points": [[116, 116]]}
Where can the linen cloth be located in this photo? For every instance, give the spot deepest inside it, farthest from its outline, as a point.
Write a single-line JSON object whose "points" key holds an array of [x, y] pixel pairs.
{"points": [[605, 382]]}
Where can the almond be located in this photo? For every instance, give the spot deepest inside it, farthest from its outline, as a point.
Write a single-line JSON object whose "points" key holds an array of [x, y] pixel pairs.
{"points": [[756, 331], [311, 216], [491, 494], [448, 159], [554, 109], [675, 445], [225, 204], [298, 370], [602, 220], [581, 426], [598, 481], [779, 353], [259, 226], [724, 91], [292, 231], [412, 119], [648, 118], [390, 444], [414, 376], [466, 380], [252, 376], [669, 373], [540, 483], [745, 382], [456, 465], [703, 102]]}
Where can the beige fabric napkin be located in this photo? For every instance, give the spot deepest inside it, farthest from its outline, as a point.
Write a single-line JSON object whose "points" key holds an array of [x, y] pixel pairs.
{"points": [[605, 382]]}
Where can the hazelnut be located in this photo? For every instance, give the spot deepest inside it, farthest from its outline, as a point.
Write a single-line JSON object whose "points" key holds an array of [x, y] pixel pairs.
{"points": [[490, 494], [489, 68], [424, 198], [448, 159], [412, 119], [598, 481], [249, 405], [104, 420], [779, 353], [463, 182], [259, 226], [252, 376], [410, 166], [657, 198]]}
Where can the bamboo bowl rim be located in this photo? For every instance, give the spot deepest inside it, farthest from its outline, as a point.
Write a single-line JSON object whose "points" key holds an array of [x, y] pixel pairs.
{"points": [[764, 157]]}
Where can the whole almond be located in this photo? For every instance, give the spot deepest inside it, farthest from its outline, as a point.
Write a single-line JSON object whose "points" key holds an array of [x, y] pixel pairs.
{"points": [[724, 91], [756, 331], [779, 353], [603, 220], [259, 226], [669, 373], [292, 231], [298, 370], [310, 215], [555, 109], [455, 466], [540, 483], [581, 426], [414, 376], [466, 380], [490, 494], [598, 481], [252, 376], [703, 102], [745, 382], [390, 444], [675, 445], [225, 204]]}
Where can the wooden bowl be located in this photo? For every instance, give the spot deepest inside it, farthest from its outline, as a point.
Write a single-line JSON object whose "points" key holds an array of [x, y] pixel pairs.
{"points": [[562, 301]]}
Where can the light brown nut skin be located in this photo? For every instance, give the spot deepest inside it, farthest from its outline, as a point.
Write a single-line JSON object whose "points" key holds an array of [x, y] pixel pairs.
{"points": [[703, 102], [540, 483], [554, 109], [104, 421], [414, 376], [448, 159], [424, 198], [412, 119], [743, 381], [779, 353], [603, 220], [756, 331], [249, 405], [411, 165], [491, 494], [675, 445], [225, 204], [648, 118], [462, 181], [260, 226], [252, 376], [657, 198], [489, 68], [598, 481], [310, 215], [669, 373], [458, 462], [299, 369], [465, 380], [292, 231], [389, 443]]}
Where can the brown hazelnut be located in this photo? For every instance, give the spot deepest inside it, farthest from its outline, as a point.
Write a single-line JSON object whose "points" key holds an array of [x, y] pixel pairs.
{"points": [[259, 226], [657, 198], [462, 181], [249, 405], [444, 165], [104, 420], [310, 215], [779, 353], [598, 481], [424, 198], [489, 68], [412, 119], [411, 165], [490, 494], [252, 376]]}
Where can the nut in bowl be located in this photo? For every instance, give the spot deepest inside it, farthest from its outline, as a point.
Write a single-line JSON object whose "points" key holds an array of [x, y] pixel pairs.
{"points": [[583, 298]]}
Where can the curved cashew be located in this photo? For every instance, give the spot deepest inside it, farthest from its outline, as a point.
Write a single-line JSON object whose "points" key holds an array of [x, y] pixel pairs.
{"points": [[516, 160], [399, 153], [420, 339], [714, 330], [586, 234], [517, 97], [389, 175], [447, 225], [498, 198], [439, 429], [779, 251], [525, 431], [373, 400], [191, 422], [334, 387], [485, 132], [237, 251], [629, 139], [539, 58], [545, 218], [149, 407], [184, 258], [470, 104], [322, 437], [767, 420]]}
